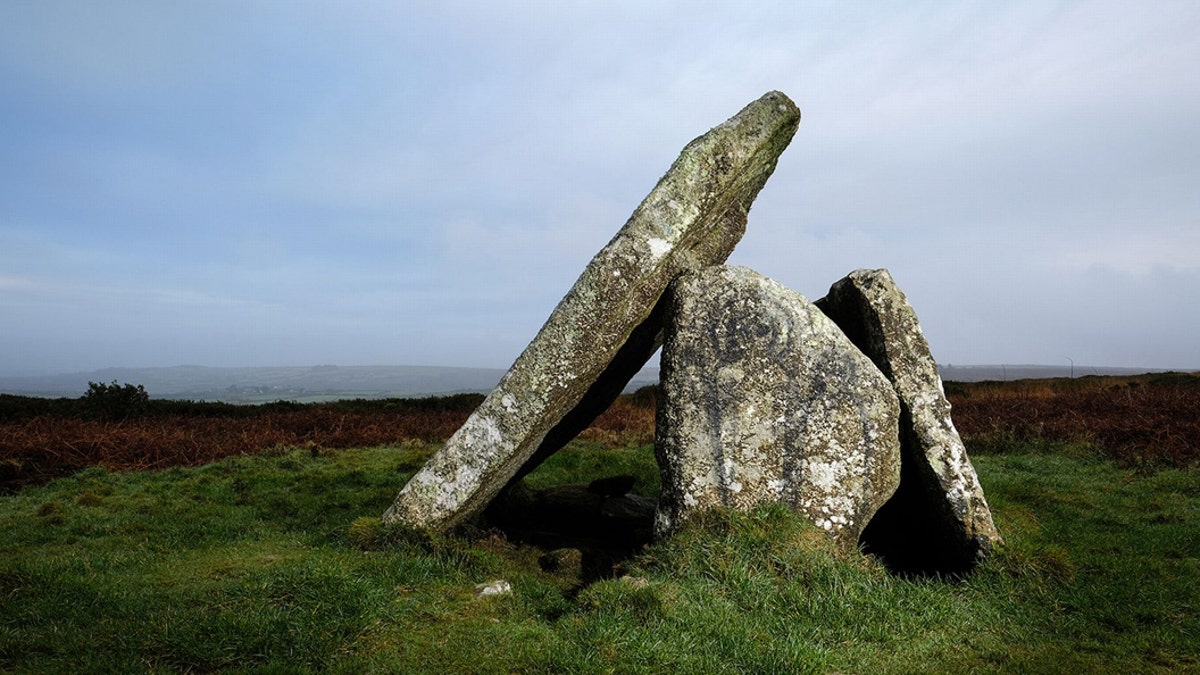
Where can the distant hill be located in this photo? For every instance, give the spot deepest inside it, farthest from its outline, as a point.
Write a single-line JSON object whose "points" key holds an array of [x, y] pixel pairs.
{"points": [[951, 373], [323, 383], [260, 384]]}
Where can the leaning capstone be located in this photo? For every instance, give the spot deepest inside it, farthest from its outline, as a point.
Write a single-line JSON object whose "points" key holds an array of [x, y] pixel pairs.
{"points": [[764, 400], [939, 521], [609, 324]]}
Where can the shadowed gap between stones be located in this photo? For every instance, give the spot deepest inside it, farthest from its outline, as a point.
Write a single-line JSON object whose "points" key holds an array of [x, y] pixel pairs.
{"points": [[602, 520], [915, 533]]}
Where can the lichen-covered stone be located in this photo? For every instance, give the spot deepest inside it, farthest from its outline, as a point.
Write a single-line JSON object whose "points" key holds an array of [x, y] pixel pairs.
{"points": [[939, 521], [765, 400], [607, 326]]}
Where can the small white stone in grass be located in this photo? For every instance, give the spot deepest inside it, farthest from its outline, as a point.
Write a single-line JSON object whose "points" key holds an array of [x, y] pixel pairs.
{"points": [[493, 588]]}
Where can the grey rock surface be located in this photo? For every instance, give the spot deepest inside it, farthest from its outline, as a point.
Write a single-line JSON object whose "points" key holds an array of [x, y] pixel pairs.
{"points": [[609, 323], [765, 400], [939, 520]]}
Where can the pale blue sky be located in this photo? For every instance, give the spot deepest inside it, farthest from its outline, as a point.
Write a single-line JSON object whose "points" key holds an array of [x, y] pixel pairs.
{"points": [[355, 183]]}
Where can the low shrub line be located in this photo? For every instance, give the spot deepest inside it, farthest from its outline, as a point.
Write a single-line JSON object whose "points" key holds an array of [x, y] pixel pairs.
{"points": [[1143, 421]]}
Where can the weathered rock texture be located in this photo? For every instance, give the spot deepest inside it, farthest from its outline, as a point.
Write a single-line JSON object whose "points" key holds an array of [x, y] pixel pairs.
{"points": [[607, 326], [765, 400], [938, 521]]}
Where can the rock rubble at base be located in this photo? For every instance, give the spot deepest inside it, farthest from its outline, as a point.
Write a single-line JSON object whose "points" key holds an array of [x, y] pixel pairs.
{"points": [[609, 324], [764, 400]]}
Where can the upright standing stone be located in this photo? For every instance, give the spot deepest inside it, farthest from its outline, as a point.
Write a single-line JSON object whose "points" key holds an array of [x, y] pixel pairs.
{"points": [[764, 400], [939, 521], [607, 326]]}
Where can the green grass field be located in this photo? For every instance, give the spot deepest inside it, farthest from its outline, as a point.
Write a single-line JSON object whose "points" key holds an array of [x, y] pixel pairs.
{"points": [[277, 563]]}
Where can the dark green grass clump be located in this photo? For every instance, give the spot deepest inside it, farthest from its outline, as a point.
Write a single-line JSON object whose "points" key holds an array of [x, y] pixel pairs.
{"points": [[279, 563]]}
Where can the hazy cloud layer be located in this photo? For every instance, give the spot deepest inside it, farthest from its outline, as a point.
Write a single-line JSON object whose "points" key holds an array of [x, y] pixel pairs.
{"points": [[232, 183]]}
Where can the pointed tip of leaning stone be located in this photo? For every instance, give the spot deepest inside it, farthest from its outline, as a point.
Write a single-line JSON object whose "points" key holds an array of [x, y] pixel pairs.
{"points": [[606, 327], [783, 104], [780, 99]]}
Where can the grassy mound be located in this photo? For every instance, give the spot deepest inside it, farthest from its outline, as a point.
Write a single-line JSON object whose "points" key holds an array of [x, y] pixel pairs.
{"points": [[277, 563]]}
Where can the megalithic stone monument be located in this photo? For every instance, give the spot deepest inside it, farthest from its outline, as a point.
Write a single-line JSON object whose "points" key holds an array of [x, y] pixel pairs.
{"points": [[610, 322], [938, 521], [764, 400]]}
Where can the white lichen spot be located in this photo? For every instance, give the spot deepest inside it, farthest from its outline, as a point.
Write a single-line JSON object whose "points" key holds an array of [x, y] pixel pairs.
{"points": [[616, 273], [728, 467], [730, 375], [822, 475], [481, 430], [509, 402], [735, 487], [688, 500], [658, 248]]}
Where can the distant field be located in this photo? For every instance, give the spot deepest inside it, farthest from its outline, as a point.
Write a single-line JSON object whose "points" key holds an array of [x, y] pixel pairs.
{"points": [[1009, 373], [316, 384], [274, 559], [1145, 419], [321, 384]]}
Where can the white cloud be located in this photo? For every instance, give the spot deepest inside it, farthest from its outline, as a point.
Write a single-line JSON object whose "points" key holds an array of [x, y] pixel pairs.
{"points": [[1137, 252], [14, 283]]}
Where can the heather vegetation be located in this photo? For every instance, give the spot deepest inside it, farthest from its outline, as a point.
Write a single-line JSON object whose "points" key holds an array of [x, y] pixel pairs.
{"points": [[1146, 420], [273, 559], [42, 439]]}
